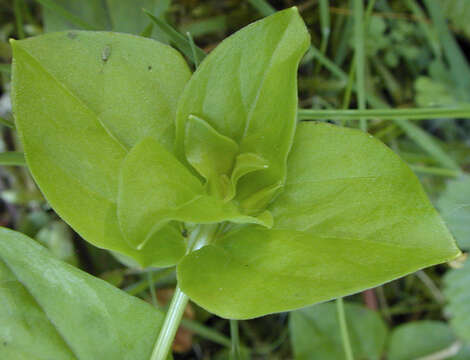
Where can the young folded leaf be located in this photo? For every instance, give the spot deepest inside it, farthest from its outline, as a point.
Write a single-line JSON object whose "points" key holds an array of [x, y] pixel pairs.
{"points": [[81, 100], [246, 89], [352, 216], [210, 153], [52, 310], [155, 188]]}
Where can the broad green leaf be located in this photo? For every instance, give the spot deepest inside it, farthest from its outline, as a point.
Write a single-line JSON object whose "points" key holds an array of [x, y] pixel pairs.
{"points": [[454, 204], [316, 334], [156, 188], [210, 153], [246, 89], [457, 292], [81, 99], [52, 310], [352, 216], [419, 339]]}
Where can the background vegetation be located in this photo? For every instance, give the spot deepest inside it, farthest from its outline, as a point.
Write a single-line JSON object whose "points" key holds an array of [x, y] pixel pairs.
{"points": [[415, 57]]}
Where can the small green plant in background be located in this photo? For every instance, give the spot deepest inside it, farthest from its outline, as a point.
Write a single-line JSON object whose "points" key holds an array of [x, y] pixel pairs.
{"points": [[211, 172]]}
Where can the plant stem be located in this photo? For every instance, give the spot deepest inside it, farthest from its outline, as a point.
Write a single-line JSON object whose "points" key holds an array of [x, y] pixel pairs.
{"points": [[170, 325], [344, 329], [19, 19], [201, 236], [152, 289], [235, 350], [435, 171], [360, 56], [388, 114]]}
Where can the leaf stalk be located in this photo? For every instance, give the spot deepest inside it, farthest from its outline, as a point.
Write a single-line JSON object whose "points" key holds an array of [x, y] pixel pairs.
{"points": [[201, 236]]}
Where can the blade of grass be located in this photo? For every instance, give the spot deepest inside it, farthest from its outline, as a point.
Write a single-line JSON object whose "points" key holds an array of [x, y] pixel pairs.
{"points": [[152, 289], [12, 158], [178, 40], [344, 40], [360, 56], [193, 50], [7, 123], [352, 69], [325, 29], [427, 143], [206, 332], [147, 32], [459, 67], [263, 7], [59, 10], [428, 31], [435, 171], [388, 114], [203, 27], [19, 19]]}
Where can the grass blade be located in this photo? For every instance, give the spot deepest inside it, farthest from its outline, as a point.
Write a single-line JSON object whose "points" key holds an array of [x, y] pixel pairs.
{"points": [[427, 143], [19, 19], [428, 31], [388, 114], [7, 123], [12, 158], [193, 49], [263, 7], [178, 40], [434, 171], [325, 29], [459, 67], [360, 57]]}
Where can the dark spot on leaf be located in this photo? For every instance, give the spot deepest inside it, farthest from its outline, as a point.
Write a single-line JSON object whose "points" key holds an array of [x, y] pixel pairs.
{"points": [[72, 35], [150, 67], [184, 233], [5, 343]]}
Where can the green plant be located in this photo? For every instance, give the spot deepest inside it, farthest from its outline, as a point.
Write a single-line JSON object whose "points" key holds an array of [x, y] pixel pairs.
{"points": [[134, 153]]}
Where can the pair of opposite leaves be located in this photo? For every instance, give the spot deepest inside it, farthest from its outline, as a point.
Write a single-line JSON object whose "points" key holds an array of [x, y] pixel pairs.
{"points": [[121, 138]]}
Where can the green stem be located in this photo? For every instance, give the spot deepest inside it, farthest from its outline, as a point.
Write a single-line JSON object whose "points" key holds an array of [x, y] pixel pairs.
{"points": [[435, 171], [152, 289], [19, 19], [360, 56], [344, 329], [389, 114], [200, 237], [235, 350], [170, 325]]}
